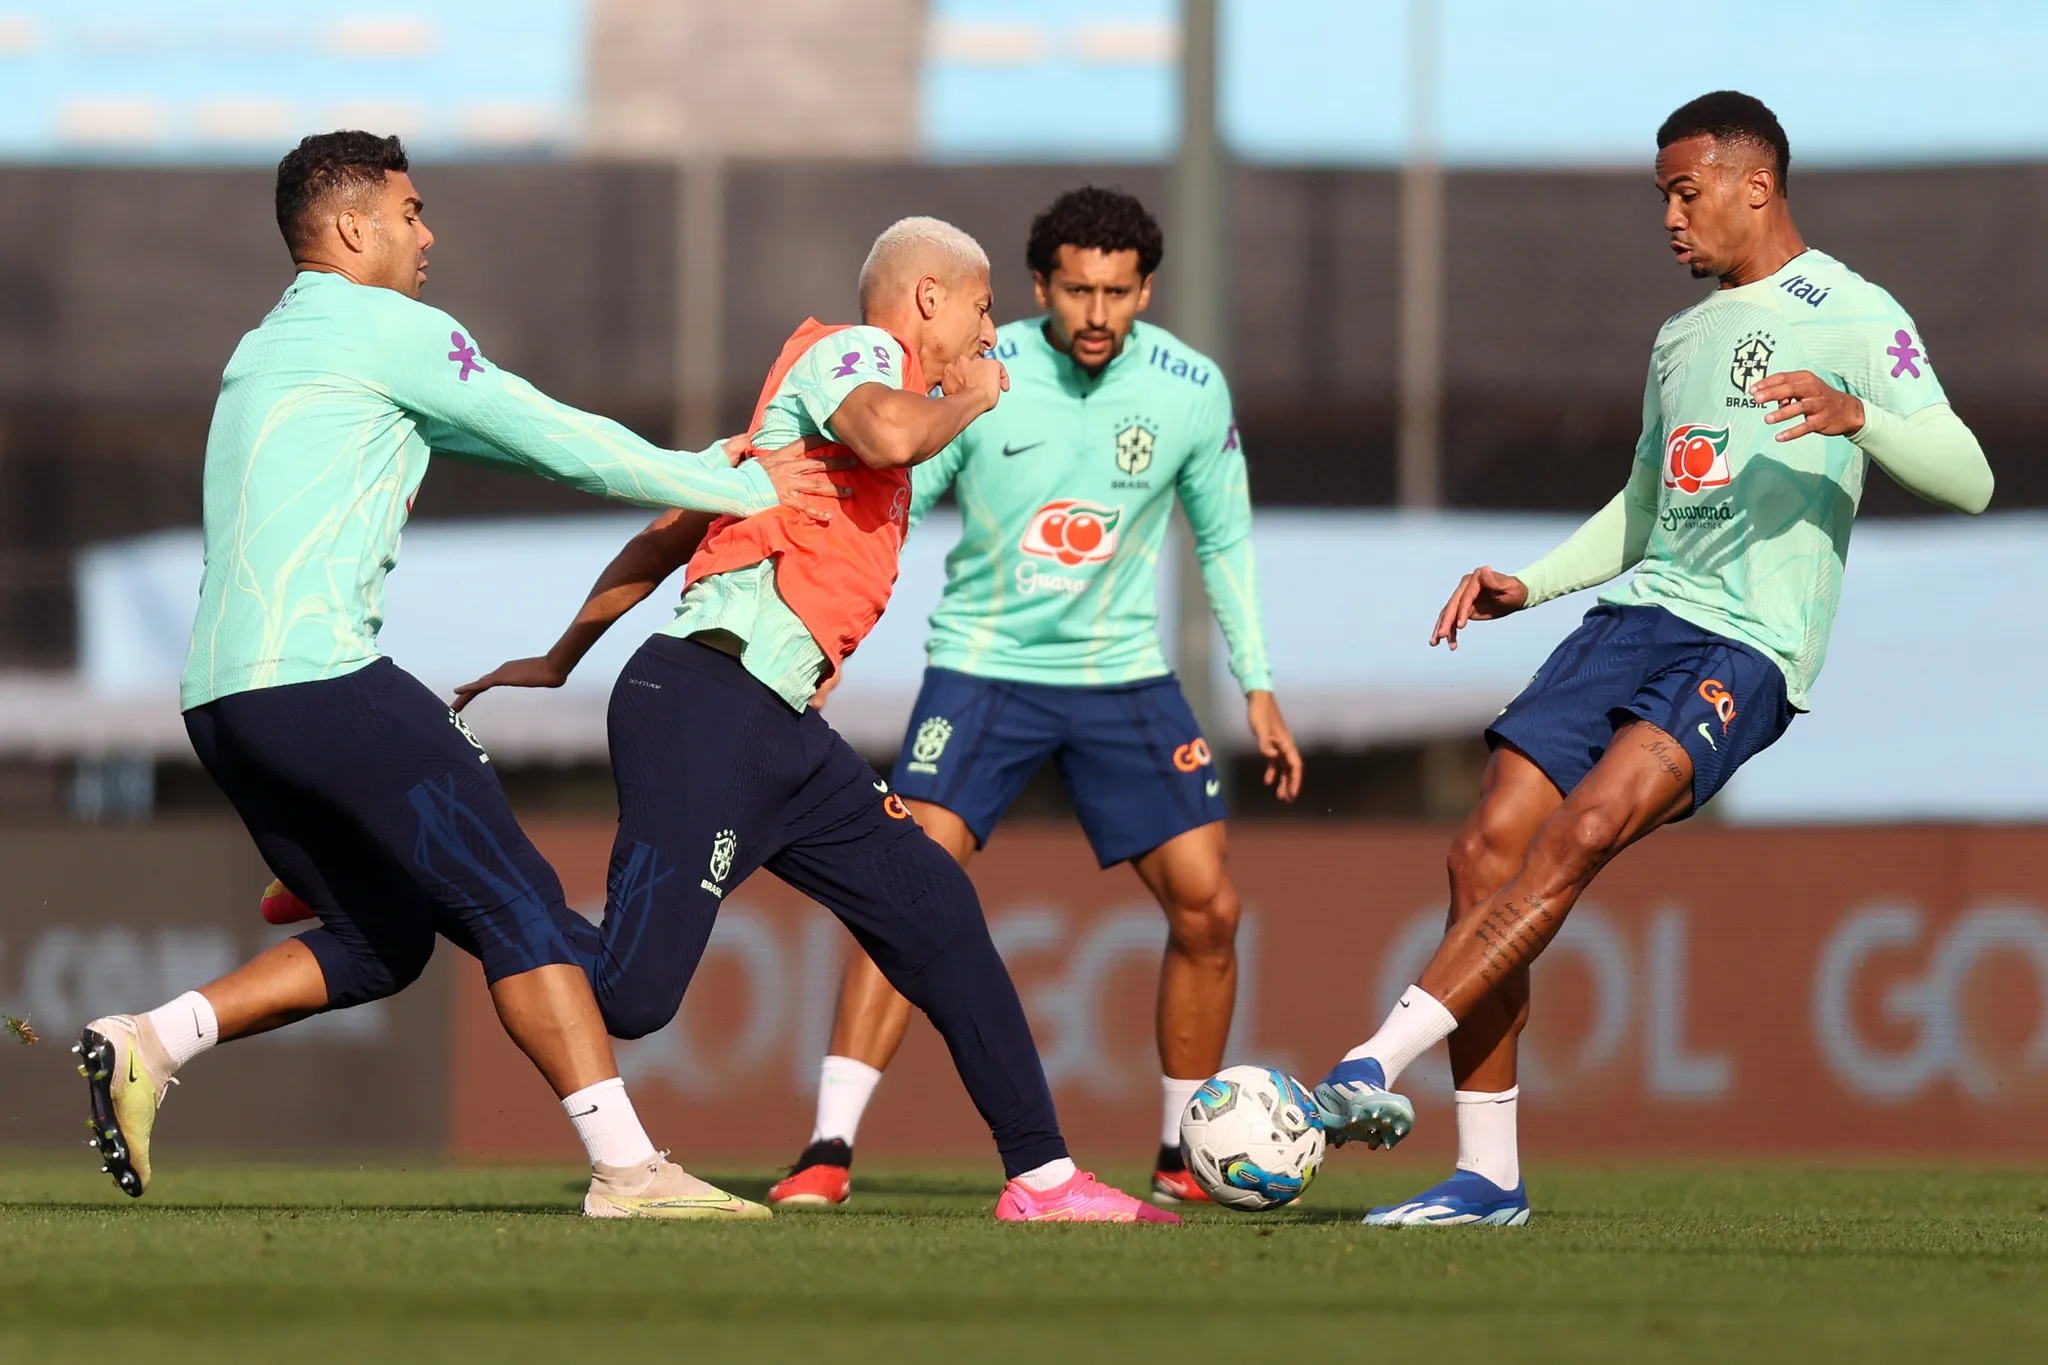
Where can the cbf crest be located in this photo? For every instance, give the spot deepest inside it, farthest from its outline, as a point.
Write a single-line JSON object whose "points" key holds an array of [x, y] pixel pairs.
{"points": [[929, 744], [1752, 361], [1134, 449]]}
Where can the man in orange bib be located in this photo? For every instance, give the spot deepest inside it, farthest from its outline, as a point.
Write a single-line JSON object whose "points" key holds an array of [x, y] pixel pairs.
{"points": [[723, 767]]}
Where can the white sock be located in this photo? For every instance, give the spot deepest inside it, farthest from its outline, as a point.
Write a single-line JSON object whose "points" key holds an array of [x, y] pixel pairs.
{"points": [[1486, 1136], [1176, 1094], [604, 1119], [844, 1088], [186, 1027], [1051, 1175], [1419, 1022]]}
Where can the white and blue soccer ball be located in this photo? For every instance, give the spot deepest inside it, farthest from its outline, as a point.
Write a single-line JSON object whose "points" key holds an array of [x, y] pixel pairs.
{"points": [[1250, 1138]]}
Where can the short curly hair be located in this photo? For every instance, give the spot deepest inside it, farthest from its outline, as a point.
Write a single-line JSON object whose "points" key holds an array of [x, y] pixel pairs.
{"points": [[1731, 116], [325, 162], [1092, 217]]}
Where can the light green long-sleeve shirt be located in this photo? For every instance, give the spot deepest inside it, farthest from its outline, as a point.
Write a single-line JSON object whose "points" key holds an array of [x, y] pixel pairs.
{"points": [[327, 414], [1065, 493], [1735, 531]]}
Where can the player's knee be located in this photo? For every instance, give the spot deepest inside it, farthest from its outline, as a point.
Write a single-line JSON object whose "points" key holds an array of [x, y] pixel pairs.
{"points": [[1482, 855], [635, 1014], [1585, 837], [1205, 925]]}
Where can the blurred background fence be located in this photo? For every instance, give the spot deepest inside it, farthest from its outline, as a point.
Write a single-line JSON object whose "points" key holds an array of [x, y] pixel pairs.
{"points": [[1438, 268]]}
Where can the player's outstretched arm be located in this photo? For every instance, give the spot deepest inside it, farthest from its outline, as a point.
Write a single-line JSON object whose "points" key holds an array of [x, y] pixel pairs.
{"points": [[646, 561], [889, 428], [467, 406]]}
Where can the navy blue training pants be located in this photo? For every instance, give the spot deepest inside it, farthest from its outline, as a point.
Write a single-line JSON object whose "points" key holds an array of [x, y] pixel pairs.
{"points": [[717, 777]]}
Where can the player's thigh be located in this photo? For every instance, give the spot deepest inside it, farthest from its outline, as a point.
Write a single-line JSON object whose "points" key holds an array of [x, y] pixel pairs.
{"points": [[1562, 720], [1720, 701], [972, 745], [395, 771], [700, 753], [1137, 768], [377, 927], [944, 828], [1642, 782], [854, 848], [1189, 873]]}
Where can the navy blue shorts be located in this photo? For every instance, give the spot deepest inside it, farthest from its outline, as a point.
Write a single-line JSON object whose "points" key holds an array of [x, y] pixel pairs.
{"points": [[1724, 701], [1132, 757], [375, 804], [717, 777]]}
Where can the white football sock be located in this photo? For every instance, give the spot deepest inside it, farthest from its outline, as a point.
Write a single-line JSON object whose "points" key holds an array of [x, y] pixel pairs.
{"points": [[1486, 1136], [186, 1027], [844, 1088], [1418, 1023], [1051, 1175], [604, 1119], [1176, 1094]]}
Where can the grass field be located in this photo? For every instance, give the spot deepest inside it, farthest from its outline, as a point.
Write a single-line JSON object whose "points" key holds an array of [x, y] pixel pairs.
{"points": [[293, 1265]]}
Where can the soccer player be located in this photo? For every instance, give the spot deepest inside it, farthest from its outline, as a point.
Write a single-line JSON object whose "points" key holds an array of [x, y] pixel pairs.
{"points": [[1046, 646], [1765, 404], [364, 793], [724, 766]]}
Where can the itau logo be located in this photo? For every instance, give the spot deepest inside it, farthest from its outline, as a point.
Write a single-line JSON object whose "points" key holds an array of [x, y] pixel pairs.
{"points": [[1696, 457], [1072, 532]]}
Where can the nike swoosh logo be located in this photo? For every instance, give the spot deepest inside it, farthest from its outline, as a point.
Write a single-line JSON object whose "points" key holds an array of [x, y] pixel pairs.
{"points": [[1213, 787], [586, 1113], [1708, 738], [1009, 449], [133, 1076], [881, 786]]}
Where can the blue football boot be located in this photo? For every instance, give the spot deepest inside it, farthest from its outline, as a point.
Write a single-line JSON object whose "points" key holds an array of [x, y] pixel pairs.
{"points": [[1354, 1105], [1467, 1197]]}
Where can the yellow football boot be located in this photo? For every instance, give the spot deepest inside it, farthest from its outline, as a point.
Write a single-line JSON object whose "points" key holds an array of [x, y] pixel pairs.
{"points": [[126, 1073], [658, 1188]]}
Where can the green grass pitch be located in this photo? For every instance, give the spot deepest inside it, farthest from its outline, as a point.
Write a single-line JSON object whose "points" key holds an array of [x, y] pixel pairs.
{"points": [[292, 1265]]}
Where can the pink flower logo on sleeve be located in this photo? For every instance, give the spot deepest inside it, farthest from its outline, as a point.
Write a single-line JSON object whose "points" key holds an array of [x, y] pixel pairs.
{"points": [[1905, 353]]}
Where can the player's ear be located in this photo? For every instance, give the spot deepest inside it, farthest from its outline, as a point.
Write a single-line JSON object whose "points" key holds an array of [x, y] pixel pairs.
{"points": [[1041, 290], [930, 294], [352, 226], [1144, 293], [1763, 184]]}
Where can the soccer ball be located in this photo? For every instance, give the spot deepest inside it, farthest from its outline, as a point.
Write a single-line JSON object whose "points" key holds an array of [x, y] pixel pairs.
{"points": [[1250, 1137]]}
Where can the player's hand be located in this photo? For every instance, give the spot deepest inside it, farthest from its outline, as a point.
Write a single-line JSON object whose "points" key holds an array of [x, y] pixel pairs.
{"points": [[1276, 742], [979, 374], [1482, 595], [536, 672], [1801, 393], [800, 478]]}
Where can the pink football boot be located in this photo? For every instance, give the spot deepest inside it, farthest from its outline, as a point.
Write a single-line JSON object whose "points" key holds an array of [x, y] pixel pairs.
{"points": [[1082, 1199]]}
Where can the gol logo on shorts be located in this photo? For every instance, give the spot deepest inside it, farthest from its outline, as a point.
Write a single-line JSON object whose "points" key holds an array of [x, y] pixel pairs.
{"points": [[1721, 699], [893, 804], [1192, 755]]}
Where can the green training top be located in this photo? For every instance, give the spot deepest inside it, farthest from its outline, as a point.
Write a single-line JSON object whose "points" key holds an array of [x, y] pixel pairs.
{"points": [[326, 417], [776, 646], [1065, 492], [1740, 534]]}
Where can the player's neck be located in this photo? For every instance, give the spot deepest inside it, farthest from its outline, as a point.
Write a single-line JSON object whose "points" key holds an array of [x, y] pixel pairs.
{"points": [[1768, 257]]}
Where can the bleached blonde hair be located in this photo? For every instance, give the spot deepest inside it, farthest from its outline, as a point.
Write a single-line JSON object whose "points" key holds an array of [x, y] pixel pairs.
{"points": [[916, 239]]}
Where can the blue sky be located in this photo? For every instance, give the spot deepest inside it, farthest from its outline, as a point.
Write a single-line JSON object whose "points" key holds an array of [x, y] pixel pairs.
{"points": [[1573, 81], [1569, 81]]}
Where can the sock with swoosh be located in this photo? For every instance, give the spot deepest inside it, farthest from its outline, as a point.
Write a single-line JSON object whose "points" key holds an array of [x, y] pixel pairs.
{"points": [[185, 1027], [604, 1119]]}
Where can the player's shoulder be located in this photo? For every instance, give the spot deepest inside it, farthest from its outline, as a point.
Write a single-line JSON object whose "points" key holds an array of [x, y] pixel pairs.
{"points": [[1164, 361], [1815, 289]]}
